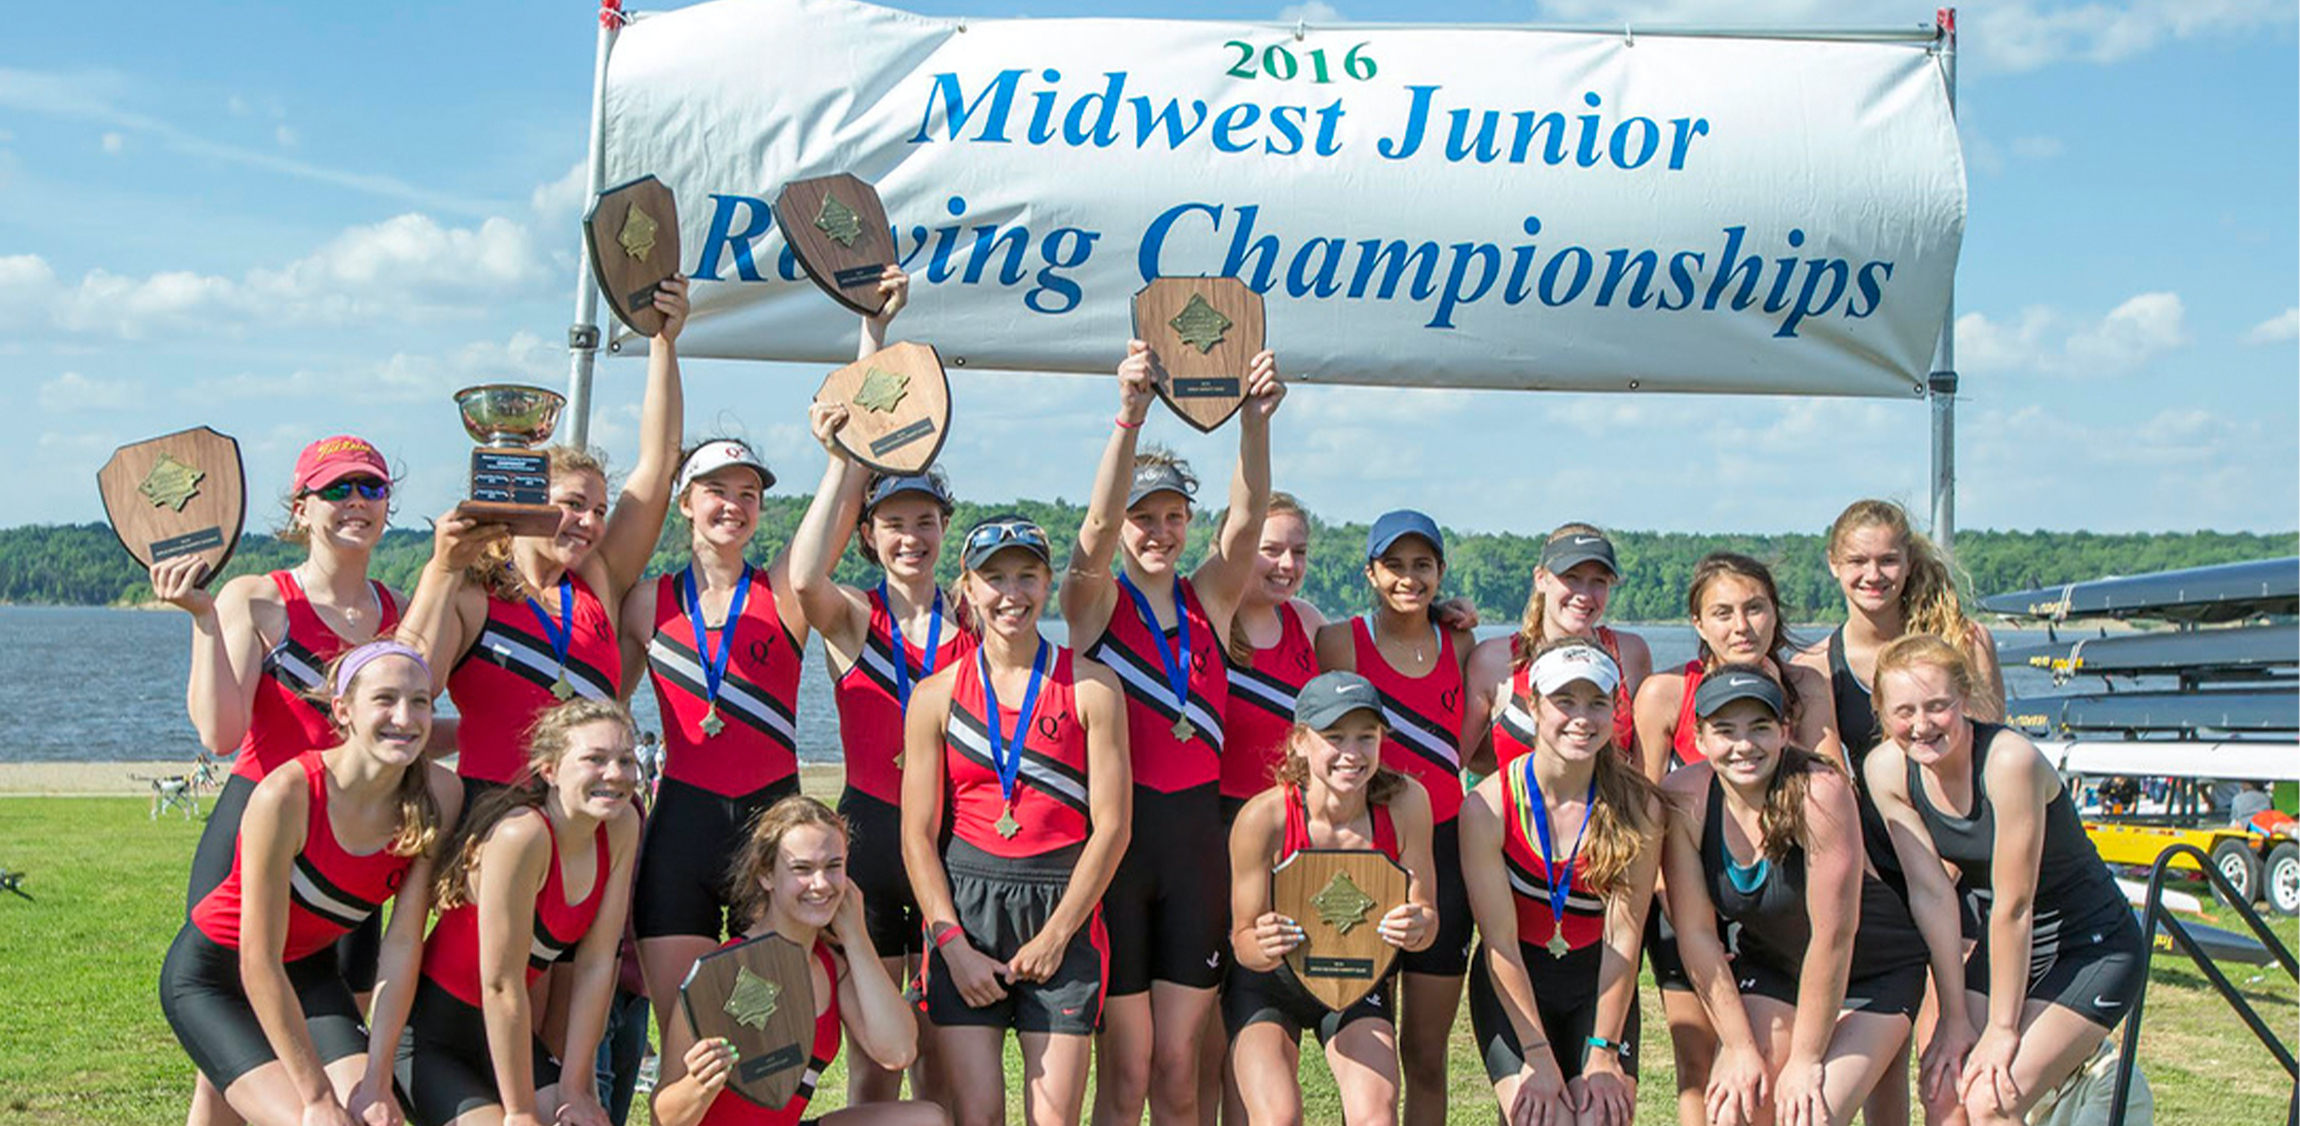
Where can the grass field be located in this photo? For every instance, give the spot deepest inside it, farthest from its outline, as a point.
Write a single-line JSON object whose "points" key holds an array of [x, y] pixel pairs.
{"points": [[82, 1042]]}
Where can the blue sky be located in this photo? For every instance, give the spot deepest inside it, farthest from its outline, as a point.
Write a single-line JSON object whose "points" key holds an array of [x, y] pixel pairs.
{"points": [[284, 220]]}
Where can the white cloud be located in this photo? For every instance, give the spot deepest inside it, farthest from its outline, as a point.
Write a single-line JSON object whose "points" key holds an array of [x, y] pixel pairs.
{"points": [[72, 391], [1316, 11], [404, 377], [2045, 340], [285, 136], [2014, 36], [113, 143], [559, 203], [2277, 329], [2038, 148]]}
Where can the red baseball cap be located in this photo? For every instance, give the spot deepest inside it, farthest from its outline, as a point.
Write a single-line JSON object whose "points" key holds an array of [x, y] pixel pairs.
{"points": [[329, 460]]}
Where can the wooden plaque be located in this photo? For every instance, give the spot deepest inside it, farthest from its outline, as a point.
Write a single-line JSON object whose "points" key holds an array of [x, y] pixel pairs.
{"points": [[898, 407], [837, 229], [633, 233], [760, 995], [179, 494], [1203, 335], [1339, 895]]}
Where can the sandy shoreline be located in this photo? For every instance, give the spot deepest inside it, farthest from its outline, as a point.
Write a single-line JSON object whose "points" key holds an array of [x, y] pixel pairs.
{"points": [[130, 779]]}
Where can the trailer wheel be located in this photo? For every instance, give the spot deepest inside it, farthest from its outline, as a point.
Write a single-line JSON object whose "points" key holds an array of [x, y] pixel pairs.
{"points": [[2282, 879], [2236, 861]]}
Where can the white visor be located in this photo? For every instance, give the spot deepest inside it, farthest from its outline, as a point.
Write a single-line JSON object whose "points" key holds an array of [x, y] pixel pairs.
{"points": [[1559, 667], [712, 457]]}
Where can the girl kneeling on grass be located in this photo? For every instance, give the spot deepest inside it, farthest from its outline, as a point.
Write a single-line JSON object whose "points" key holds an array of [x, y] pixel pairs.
{"points": [[539, 873], [1332, 793], [790, 879], [251, 986]]}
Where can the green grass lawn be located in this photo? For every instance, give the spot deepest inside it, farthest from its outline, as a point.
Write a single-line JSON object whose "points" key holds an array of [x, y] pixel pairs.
{"points": [[82, 1041]]}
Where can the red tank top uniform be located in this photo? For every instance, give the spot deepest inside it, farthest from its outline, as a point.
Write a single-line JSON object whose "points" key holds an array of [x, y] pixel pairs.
{"points": [[757, 705], [1297, 834], [1164, 761], [286, 720], [871, 714], [507, 676], [1513, 733], [1260, 712], [330, 891], [1424, 715], [731, 1109], [1682, 749], [451, 953], [1529, 880], [1051, 807]]}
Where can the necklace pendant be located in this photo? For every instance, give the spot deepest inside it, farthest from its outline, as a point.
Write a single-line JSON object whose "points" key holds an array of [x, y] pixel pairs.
{"points": [[561, 688], [1183, 731], [712, 724], [1007, 826], [1557, 945]]}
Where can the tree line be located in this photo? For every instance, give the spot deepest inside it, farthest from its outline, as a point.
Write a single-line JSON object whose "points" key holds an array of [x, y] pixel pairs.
{"points": [[84, 565]]}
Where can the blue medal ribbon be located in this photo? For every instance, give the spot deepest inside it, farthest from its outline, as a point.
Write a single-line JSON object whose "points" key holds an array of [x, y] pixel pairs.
{"points": [[901, 660], [1177, 665], [561, 634], [1534, 808], [1005, 751], [714, 665]]}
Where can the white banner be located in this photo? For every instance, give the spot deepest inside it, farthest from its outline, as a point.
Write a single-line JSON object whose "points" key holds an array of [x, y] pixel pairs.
{"points": [[1442, 207]]}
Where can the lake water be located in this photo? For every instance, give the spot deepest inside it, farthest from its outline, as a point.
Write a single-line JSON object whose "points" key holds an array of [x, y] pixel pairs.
{"points": [[84, 684]]}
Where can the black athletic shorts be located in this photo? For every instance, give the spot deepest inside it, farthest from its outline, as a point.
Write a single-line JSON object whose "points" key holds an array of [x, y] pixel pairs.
{"points": [[1251, 997], [1661, 948], [1565, 997], [1896, 992], [355, 953], [207, 1007], [692, 837], [444, 1068], [2095, 972], [1001, 905], [1168, 905], [875, 867], [1448, 954]]}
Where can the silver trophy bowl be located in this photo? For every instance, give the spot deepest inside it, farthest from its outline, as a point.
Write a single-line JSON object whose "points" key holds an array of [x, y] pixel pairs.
{"points": [[509, 415]]}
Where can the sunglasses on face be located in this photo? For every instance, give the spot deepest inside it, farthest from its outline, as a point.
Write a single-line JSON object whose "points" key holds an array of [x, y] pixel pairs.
{"points": [[367, 487], [1006, 533]]}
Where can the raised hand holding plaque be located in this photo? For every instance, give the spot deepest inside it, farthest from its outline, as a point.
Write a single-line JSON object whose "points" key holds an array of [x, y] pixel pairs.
{"points": [[1203, 334], [898, 408], [178, 494], [838, 231], [633, 234], [1339, 897]]}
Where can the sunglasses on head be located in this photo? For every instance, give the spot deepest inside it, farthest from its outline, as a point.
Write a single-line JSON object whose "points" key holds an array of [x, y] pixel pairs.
{"points": [[367, 487], [1005, 533]]}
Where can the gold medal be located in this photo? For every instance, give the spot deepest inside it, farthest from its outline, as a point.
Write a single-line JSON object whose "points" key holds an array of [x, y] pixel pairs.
{"points": [[1557, 946], [561, 688], [1183, 731], [1007, 826], [712, 724]]}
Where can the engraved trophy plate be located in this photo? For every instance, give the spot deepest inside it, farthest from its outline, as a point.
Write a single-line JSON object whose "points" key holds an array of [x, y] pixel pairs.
{"points": [[760, 995], [837, 229], [179, 494], [1339, 896], [898, 407], [511, 482], [1203, 334], [633, 235]]}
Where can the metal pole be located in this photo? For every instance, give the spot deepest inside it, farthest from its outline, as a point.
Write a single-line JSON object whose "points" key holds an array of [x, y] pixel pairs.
{"points": [[583, 332], [1941, 385]]}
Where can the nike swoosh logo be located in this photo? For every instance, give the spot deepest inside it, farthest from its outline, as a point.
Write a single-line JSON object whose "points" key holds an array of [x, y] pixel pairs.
{"points": [[2106, 1003], [1214, 960], [1584, 541]]}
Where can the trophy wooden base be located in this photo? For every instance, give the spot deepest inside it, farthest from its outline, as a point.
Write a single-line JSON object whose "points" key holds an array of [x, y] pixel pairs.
{"points": [[522, 519]]}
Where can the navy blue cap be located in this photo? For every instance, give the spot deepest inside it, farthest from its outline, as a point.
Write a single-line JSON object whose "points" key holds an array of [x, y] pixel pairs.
{"points": [[1403, 522]]}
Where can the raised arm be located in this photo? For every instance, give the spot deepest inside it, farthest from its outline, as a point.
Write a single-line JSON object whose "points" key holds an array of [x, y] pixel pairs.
{"points": [[1089, 592], [227, 648], [637, 521], [1109, 799], [840, 614], [870, 1006], [1833, 860], [271, 833], [894, 286], [442, 618], [1221, 580]]}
